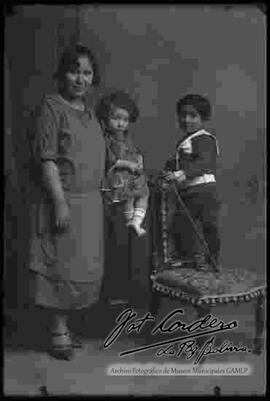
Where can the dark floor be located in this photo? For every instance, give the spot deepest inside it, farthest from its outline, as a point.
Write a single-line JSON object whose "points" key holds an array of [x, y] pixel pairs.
{"points": [[28, 368]]}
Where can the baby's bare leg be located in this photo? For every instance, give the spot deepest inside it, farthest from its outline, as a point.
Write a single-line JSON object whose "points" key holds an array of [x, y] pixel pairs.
{"points": [[141, 203], [129, 209]]}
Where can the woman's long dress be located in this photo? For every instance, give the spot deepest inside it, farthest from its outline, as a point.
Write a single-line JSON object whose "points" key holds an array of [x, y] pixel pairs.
{"points": [[66, 270]]}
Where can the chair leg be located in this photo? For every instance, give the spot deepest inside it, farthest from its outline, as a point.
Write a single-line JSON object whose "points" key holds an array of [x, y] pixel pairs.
{"points": [[259, 325], [154, 308], [201, 312], [155, 303]]}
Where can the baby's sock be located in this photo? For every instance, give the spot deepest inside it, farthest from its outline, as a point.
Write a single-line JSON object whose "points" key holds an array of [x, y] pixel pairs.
{"points": [[139, 215]]}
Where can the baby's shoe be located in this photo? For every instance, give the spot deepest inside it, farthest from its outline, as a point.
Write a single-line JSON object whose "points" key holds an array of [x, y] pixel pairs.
{"points": [[137, 228]]}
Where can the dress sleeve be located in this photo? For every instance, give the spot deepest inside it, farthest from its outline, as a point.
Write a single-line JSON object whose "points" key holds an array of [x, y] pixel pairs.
{"points": [[111, 157], [46, 143]]}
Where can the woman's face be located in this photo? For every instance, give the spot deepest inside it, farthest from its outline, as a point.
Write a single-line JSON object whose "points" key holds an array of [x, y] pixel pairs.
{"points": [[79, 78], [189, 119], [118, 120]]}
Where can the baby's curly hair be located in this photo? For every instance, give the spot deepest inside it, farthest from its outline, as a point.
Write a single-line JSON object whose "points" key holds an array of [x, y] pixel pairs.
{"points": [[200, 103], [118, 99]]}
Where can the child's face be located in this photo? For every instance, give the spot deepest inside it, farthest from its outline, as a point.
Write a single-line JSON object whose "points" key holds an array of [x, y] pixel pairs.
{"points": [[118, 120], [189, 119]]}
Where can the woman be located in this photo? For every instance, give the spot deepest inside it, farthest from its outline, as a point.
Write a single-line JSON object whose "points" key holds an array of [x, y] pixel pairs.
{"points": [[66, 258]]}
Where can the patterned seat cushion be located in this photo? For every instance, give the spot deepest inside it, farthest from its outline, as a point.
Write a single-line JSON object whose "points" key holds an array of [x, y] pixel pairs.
{"points": [[204, 284]]}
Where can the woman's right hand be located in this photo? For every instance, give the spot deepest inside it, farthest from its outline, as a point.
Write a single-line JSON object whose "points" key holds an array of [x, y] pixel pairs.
{"points": [[62, 215]]}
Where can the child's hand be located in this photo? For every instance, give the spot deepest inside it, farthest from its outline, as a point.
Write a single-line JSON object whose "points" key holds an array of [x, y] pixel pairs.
{"points": [[169, 176], [178, 176]]}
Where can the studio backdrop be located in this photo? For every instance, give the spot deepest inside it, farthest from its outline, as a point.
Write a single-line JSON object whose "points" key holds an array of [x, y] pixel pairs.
{"points": [[158, 53]]}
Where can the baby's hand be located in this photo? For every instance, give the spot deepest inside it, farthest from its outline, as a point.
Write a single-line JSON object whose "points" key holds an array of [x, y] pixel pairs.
{"points": [[134, 167], [125, 164], [138, 168]]}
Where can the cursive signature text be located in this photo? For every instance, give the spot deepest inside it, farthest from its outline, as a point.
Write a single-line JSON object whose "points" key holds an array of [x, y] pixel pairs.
{"points": [[128, 322], [190, 349]]}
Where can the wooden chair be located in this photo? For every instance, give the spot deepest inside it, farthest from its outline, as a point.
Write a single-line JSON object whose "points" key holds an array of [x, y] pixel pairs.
{"points": [[203, 289]]}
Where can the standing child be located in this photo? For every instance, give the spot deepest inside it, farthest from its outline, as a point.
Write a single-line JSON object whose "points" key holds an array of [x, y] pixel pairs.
{"points": [[192, 168], [125, 180]]}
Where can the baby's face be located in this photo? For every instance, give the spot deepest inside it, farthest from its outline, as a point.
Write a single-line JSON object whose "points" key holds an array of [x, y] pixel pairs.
{"points": [[118, 120], [189, 119]]}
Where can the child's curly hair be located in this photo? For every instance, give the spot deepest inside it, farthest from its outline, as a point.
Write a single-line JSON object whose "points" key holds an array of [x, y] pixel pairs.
{"points": [[118, 99], [200, 103]]}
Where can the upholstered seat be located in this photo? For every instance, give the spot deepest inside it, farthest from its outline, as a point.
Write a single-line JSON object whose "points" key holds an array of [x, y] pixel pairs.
{"points": [[208, 287], [203, 288]]}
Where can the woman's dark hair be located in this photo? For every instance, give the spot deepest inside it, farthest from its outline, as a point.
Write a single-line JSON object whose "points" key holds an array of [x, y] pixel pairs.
{"points": [[117, 99], [200, 103], [69, 59]]}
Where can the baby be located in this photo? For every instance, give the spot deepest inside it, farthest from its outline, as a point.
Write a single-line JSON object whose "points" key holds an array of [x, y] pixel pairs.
{"points": [[125, 180]]}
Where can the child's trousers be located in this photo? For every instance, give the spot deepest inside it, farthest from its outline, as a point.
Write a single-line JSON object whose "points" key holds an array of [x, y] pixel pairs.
{"points": [[203, 205]]}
